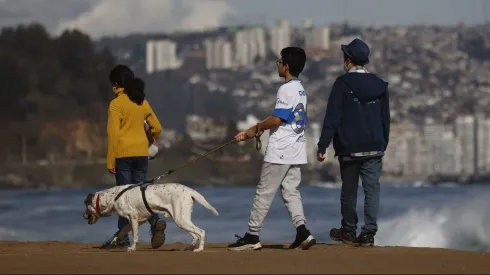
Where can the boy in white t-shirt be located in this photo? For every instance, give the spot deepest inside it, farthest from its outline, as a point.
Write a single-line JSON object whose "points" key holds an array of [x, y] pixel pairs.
{"points": [[285, 153]]}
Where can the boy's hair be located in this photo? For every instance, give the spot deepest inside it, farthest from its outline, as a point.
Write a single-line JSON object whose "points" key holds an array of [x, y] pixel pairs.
{"points": [[295, 58]]}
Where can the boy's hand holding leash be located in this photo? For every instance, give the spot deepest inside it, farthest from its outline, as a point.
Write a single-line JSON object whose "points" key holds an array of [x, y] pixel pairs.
{"points": [[251, 133]]}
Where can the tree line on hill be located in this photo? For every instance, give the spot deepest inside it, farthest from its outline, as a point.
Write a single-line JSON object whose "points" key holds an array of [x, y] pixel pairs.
{"points": [[51, 89], [55, 92]]}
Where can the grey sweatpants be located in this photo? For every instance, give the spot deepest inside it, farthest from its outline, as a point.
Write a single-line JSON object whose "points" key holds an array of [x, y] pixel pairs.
{"points": [[273, 176]]}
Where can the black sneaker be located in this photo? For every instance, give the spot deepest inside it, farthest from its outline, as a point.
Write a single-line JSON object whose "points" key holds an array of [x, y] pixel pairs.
{"points": [[115, 244], [304, 240], [365, 239], [248, 242], [157, 232], [340, 235]]}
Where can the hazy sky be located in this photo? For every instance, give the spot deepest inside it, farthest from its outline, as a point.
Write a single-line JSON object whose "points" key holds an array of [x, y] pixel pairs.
{"points": [[119, 17]]}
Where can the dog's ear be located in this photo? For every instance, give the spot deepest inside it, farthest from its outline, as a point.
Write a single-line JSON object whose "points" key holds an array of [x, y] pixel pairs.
{"points": [[89, 199]]}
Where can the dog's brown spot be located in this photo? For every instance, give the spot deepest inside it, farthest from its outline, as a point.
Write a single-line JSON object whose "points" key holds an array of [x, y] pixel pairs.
{"points": [[88, 200]]}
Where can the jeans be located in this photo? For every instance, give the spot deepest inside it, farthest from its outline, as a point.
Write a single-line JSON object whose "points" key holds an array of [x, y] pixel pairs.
{"points": [[132, 170], [369, 169]]}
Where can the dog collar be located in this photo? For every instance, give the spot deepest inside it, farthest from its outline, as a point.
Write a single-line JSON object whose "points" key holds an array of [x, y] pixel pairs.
{"points": [[97, 205]]}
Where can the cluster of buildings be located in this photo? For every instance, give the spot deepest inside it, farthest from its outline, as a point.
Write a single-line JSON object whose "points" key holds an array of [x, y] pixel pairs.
{"points": [[436, 72], [459, 149], [239, 49], [161, 55], [437, 76]]}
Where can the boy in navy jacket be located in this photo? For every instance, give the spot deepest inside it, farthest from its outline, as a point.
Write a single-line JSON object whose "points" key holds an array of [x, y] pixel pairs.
{"points": [[358, 120]]}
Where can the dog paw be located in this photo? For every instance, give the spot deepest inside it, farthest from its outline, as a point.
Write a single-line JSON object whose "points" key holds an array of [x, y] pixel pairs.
{"points": [[131, 249], [198, 250]]}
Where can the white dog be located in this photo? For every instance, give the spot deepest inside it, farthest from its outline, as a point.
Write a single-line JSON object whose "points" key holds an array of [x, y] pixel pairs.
{"points": [[170, 199]]}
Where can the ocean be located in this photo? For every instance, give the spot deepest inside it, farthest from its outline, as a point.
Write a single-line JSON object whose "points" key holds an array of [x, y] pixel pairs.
{"points": [[411, 214]]}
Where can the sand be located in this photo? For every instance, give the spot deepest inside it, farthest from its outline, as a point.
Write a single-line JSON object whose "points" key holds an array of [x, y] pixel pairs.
{"points": [[76, 258]]}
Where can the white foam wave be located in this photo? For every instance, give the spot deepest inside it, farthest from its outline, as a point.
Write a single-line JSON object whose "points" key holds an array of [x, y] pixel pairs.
{"points": [[43, 210], [6, 233], [328, 185], [394, 184], [459, 226]]}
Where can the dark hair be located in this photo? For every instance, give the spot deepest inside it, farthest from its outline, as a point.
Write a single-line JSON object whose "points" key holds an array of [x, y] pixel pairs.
{"points": [[134, 87], [295, 58]]}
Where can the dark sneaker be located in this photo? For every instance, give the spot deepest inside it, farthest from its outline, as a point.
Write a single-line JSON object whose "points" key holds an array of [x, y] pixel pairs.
{"points": [[248, 242], [340, 235], [157, 232], [304, 240], [365, 239], [115, 244]]}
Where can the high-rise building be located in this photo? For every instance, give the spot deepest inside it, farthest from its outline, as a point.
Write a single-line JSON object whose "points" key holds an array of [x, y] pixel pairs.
{"points": [[444, 149], [249, 44], [419, 161], [280, 37], [218, 54], [161, 55], [209, 48], [241, 49], [318, 38], [150, 57], [483, 143], [446, 155], [396, 154], [465, 133], [256, 43], [461, 149], [226, 51]]}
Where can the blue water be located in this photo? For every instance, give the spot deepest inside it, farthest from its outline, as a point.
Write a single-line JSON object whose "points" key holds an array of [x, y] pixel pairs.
{"points": [[411, 214]]}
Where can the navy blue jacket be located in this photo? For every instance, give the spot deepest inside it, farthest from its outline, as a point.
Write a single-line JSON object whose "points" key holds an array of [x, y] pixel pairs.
{"points": [[358, 115]]}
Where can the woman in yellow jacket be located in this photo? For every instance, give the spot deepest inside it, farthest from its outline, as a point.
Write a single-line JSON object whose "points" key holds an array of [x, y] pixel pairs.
{"points": [[127, 150]]}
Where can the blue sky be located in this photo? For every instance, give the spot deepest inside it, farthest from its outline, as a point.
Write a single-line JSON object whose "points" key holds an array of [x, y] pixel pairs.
{"points": [[381, 12], [120, 17]]}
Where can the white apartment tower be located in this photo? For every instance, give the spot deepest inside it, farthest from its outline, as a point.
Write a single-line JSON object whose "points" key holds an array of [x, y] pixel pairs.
{"points": [[219, 54], [443, 148], [483, 143], [161, 55], [249, 44], [280, 36], [465, 132], [396, 152], [318, 38]]}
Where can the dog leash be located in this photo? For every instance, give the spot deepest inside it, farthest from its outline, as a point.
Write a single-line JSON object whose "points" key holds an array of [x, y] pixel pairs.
{"points": [[258, 146], [258, 133], [151, 181]]}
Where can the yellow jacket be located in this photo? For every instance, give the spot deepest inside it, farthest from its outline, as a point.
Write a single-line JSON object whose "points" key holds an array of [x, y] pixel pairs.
{"points": [[126, 135]]}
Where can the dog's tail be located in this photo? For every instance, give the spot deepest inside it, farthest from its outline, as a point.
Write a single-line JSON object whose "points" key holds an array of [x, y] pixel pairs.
{"points": [[200, 199]]}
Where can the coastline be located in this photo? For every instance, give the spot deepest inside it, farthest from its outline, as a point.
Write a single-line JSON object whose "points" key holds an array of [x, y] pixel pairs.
{"points": [[207, 172], [95, 174]]}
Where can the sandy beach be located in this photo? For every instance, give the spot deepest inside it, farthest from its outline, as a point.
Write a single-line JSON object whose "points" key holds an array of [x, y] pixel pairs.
{"points": [[77, 258]]}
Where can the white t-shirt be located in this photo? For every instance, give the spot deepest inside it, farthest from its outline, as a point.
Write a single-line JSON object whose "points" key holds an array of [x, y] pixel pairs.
{"points": [[287, 142]]}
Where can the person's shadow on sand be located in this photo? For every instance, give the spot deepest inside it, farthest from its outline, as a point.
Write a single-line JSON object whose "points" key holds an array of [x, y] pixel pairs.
{"points": [[146, 249], [139, 249]]}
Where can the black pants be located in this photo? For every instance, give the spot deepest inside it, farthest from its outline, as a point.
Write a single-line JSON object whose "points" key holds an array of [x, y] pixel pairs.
{"points": [[369, 169]]}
